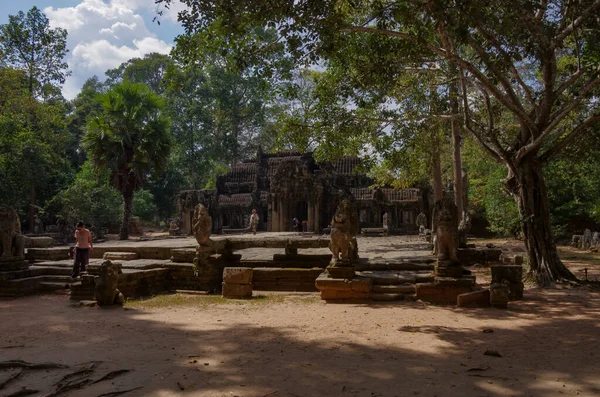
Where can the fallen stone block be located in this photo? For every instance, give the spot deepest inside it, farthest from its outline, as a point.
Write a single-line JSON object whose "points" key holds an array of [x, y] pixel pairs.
{"points": [[512, 275], [237, 290], [237, 275], [336, 294], [440, 294], [122, 256], [480, 298]]}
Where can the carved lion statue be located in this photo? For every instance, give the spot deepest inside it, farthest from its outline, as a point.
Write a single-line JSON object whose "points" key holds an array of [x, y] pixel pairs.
{"points": [[344, 227], [445, 223], [105, 290], [12, 243], [202, 225]]}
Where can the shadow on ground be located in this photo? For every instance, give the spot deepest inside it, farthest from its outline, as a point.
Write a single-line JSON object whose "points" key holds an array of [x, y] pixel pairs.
{"points": [[548, 344]]}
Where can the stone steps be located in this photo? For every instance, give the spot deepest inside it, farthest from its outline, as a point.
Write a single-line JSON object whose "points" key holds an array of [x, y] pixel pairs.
{"points": [[35, 284], [397, 277], [386, 296], [50, 271], [120, 256], [52, 286], [395, 289]]}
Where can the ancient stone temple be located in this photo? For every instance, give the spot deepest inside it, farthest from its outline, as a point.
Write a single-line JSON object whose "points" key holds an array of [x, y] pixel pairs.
{"points": [[289, 185]]}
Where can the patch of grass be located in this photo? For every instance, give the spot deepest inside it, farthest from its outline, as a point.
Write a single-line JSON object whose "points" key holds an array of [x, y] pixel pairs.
{"points": [[571, 254], [202, 301]]}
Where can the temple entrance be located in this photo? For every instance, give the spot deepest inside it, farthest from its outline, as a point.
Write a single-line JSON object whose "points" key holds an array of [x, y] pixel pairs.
{"points": [[301, 211]]}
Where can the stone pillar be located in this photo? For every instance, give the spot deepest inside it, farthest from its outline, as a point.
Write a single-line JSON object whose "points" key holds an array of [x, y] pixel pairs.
{"points": [[275, 209], [316, 224], [282, 215], [311, 216]]}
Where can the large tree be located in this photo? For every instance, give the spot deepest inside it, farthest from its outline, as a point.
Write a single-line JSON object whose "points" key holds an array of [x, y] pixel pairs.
{"points": [[130, 139], [528, 73], [32, 141], [28, 43]]}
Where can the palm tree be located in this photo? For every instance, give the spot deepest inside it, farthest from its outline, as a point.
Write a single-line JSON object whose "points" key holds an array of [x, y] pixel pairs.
{"points": [[130, 138]]}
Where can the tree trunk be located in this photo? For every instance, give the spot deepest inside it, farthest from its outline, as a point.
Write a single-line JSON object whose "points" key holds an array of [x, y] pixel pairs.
{"points": [[532, 198], [31, 212], [127, 209], [438, 186], [456, 157]]}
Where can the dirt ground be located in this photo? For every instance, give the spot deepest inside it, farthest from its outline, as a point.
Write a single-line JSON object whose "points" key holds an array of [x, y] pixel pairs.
{"points": [[296, 345]]}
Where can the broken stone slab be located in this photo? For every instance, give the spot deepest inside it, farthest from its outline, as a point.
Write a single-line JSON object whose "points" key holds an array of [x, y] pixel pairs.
{"points": [[467, 281], [237, 275], [343, 295], [386, 297], [122, 256], [499, 295], [512, 275], [440, 294], [479, 298], [358, 284], [237, 290], [395, 289]]}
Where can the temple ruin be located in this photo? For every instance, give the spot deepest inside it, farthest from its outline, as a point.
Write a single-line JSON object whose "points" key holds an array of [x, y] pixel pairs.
{"points": [[289, 185]]}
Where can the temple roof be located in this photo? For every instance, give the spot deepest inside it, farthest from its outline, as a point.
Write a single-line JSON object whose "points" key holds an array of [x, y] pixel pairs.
{"points": [[236, 200], [362, 194], [241, 173], [346, 165], [396, 195]]}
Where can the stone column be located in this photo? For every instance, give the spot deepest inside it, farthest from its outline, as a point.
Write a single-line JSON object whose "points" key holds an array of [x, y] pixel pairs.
{"points": [[282, 215], [317, 218], [311, 215]]}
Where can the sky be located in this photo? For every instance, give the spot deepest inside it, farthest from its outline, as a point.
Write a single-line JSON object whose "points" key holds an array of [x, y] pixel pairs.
{"points": [[102, 34]]}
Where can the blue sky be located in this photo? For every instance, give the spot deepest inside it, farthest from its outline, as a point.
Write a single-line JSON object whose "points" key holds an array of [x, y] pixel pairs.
{"points": [[102, 33]]}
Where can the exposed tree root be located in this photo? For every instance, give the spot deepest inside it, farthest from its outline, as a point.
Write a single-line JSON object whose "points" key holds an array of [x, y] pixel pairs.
{"points": [[74, 380], [111, 375], [24, 364], [119, 392], [11, 378], [23, 392]]}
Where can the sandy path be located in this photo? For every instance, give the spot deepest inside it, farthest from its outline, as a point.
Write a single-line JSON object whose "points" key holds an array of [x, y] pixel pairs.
{"points": [[301, 347]]}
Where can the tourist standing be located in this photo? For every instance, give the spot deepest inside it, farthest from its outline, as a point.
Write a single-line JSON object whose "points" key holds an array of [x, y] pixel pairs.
{"points": [[83, 247], [253, 221], [295, 224]]}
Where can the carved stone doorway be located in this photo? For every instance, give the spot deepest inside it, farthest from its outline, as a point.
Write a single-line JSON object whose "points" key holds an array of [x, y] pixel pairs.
{"points": [[301, 211]]}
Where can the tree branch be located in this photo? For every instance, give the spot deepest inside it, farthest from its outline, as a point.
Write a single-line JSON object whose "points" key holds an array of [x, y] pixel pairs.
{"points": [[576, 23], [452, 57], [561, 145], [467, 120], [492, 39], [556, 119], [568, 82]]}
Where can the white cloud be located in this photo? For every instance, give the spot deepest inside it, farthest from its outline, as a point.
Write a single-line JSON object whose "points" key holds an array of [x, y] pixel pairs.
{"points": [[103, 35]]}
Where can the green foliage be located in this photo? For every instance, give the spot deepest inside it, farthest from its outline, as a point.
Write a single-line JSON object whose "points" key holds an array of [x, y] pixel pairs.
{"points": [[149, 70], [32, 140], [143, 205], [85, 106], [89, 198], [574, 193], [487, 194], [28, 43], [130, 139]]}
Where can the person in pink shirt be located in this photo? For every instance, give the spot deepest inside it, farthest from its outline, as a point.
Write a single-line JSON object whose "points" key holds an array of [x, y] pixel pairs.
{"points": [[83, 247]]}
